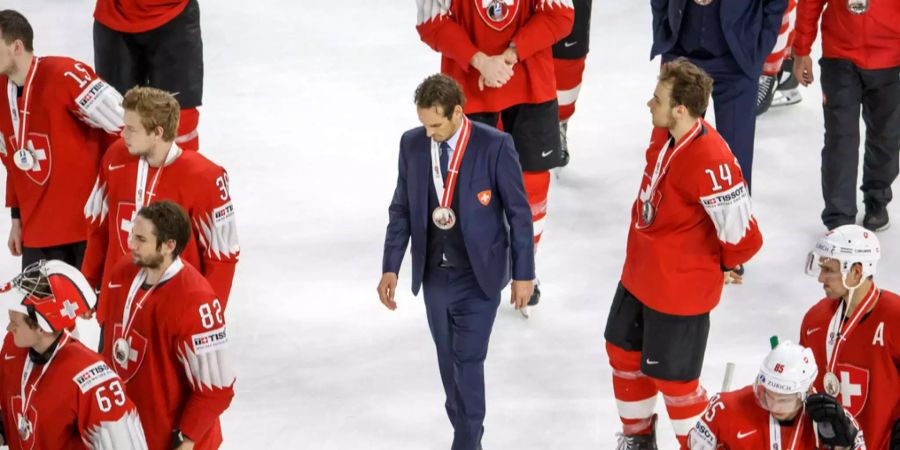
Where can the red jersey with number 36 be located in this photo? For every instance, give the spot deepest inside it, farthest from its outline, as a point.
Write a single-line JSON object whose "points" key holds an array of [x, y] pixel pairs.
{"points": [[79, 402], [195, 183], [177, 371], [868, 364]]}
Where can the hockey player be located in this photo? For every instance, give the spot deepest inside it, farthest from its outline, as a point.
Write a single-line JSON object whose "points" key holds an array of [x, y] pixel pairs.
{"points": [[158, 44], [777, 85], [853, 333], [164, 334], [55, 393], [777, 412], [51, 110], [146, 165], [692, 196], [569, 55], [500, 52]]}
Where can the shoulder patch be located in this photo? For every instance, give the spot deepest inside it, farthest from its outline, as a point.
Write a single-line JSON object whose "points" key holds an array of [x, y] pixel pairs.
{"points": [[93, 376], [209, 341], [223, 214]]}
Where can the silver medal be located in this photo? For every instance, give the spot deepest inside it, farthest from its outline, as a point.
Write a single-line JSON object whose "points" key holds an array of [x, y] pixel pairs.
{"points": [[497, 10], [832, 384], [858, 6], [24, 426], [647, 213], [121, 350], [703, 2], [24, 159], [443, 217]]}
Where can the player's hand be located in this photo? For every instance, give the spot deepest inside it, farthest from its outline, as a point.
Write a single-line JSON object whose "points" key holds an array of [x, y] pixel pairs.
{"points": [[521, 293], [511, 56], [186, 445], [732, 277], [494, 69], [386, 289], [803, 69], [15, 238]]}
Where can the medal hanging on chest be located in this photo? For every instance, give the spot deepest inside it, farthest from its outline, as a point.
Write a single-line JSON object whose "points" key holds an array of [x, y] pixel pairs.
{"points": [[647, 213], [703, 2], [24, 158], [443, 216], [121, 350], [832, 384], [24, 427], [858, 6], [497, 10], [650, 194], [838, 333]]}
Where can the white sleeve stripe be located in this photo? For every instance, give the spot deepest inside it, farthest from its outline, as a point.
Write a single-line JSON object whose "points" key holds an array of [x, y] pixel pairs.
{"points": [[220, 241], [97, 204], [430, 9], [563, 3], [123, 434], [730, 212], [209, 370]]}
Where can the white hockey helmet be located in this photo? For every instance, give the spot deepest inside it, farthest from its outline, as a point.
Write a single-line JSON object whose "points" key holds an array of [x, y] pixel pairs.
{"points": [[848, 244], [788, 369]]}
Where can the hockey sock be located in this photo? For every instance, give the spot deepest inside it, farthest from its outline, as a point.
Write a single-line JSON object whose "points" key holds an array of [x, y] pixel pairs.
{"points": [[187, 137], [635, 392], [685, 402], [537, 185], [568, 83]]}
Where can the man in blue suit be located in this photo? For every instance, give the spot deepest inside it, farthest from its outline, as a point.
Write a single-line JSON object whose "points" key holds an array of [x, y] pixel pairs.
{"points": [[730, 40], [461, 199]]}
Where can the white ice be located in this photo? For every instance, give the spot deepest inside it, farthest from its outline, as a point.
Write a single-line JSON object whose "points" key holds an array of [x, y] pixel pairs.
{"points": [[304, 104]]}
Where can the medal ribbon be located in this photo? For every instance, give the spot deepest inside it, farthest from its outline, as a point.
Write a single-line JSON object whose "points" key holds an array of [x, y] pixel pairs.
{"points": [[833, 346], [26, 373], [20, 127], [127, 316], [140, 184], [662, 164], [775, 432], [446, 195]]}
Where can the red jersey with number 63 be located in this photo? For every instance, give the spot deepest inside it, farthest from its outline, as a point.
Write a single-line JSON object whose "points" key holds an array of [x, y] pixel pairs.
{"points": [[78, 403], [195, 183], [700, 220], [868, 364], [177, 370]]}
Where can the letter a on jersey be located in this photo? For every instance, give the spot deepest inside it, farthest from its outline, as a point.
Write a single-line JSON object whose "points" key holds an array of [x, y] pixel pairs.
{"points": [[497, 14]]}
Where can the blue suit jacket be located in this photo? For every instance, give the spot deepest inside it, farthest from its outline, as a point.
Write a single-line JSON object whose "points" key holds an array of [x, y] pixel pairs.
{"points": [[495, 234], [751, 28]]}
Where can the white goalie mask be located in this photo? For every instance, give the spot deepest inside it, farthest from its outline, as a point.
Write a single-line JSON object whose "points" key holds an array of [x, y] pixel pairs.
{"points": [[849, 245], [785, 377]]}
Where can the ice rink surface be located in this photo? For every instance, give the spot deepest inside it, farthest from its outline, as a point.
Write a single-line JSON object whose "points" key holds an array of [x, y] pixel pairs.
{"points": [[304, 104]]}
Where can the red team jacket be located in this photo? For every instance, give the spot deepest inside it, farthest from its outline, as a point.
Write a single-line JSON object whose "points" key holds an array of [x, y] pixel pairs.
{"points": [[871, 40], [79, 401], [178, 373], [867, 364], [703, 221], [136, 16], [735, 421], [197, 184], [68, 153], [459, 29]]}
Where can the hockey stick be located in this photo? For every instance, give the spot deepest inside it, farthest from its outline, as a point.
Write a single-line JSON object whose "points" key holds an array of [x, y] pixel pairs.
{"points": [[729, 374]]}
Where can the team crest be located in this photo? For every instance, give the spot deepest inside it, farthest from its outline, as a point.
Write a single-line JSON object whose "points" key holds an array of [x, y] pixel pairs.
{"points": [[26, 425], [124, 216], [484, 197], [39, 144], [137, 349], [497, 14], [854, 387]]}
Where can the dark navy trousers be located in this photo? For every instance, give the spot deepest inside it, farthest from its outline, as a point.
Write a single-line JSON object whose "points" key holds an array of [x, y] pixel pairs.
{"points": [[461, 316]]}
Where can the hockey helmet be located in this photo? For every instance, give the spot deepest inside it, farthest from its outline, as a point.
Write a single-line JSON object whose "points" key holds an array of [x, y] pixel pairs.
{"points": [[848, 244], [787, 369], [52, 293]]}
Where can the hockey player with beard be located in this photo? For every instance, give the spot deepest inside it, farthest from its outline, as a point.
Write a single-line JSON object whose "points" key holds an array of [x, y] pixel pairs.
{"points": [[776, 411], [55, 393]]}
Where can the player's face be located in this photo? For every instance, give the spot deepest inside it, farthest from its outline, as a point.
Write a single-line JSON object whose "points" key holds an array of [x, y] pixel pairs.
{"points": [[437, 125], [830, 277], [136, 137], [142, 244], [23, 335], [660, 106], [7, 63], [782, 406]]}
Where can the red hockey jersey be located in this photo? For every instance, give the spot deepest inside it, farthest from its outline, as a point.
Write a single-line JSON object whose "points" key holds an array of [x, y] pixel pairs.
{"points": [[177, 371], [867, 364], [460, 28], [194, 182], [871, 40], [137, 16], [735, 421], [66, 149], [700, 220], [78, 403]]}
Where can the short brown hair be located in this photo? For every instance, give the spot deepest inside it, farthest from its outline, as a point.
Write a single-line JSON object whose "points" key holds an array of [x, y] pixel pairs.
{"points": [[156, 107], [170, 222], [440, 90], [691, 86], [13, 25]]}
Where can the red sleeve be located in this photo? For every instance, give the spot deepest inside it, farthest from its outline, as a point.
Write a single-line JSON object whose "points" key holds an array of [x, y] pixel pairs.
{"points": [[215, 229], [551, 20], [11, 200], [807, 27], [96, 215], [202, 347], [437, 27], [107, 419]]}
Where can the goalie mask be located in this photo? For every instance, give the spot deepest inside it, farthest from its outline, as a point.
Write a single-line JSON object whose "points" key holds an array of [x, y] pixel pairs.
{"points": [[52, 293], [849, 245], [785, 377]]}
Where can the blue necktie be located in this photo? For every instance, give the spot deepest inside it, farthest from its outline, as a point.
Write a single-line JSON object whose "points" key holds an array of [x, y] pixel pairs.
{"points": [[445, 159]]}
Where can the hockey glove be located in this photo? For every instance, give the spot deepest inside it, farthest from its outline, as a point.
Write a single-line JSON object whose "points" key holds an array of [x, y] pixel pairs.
{"points": [[835, 428], [100, 106]]}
